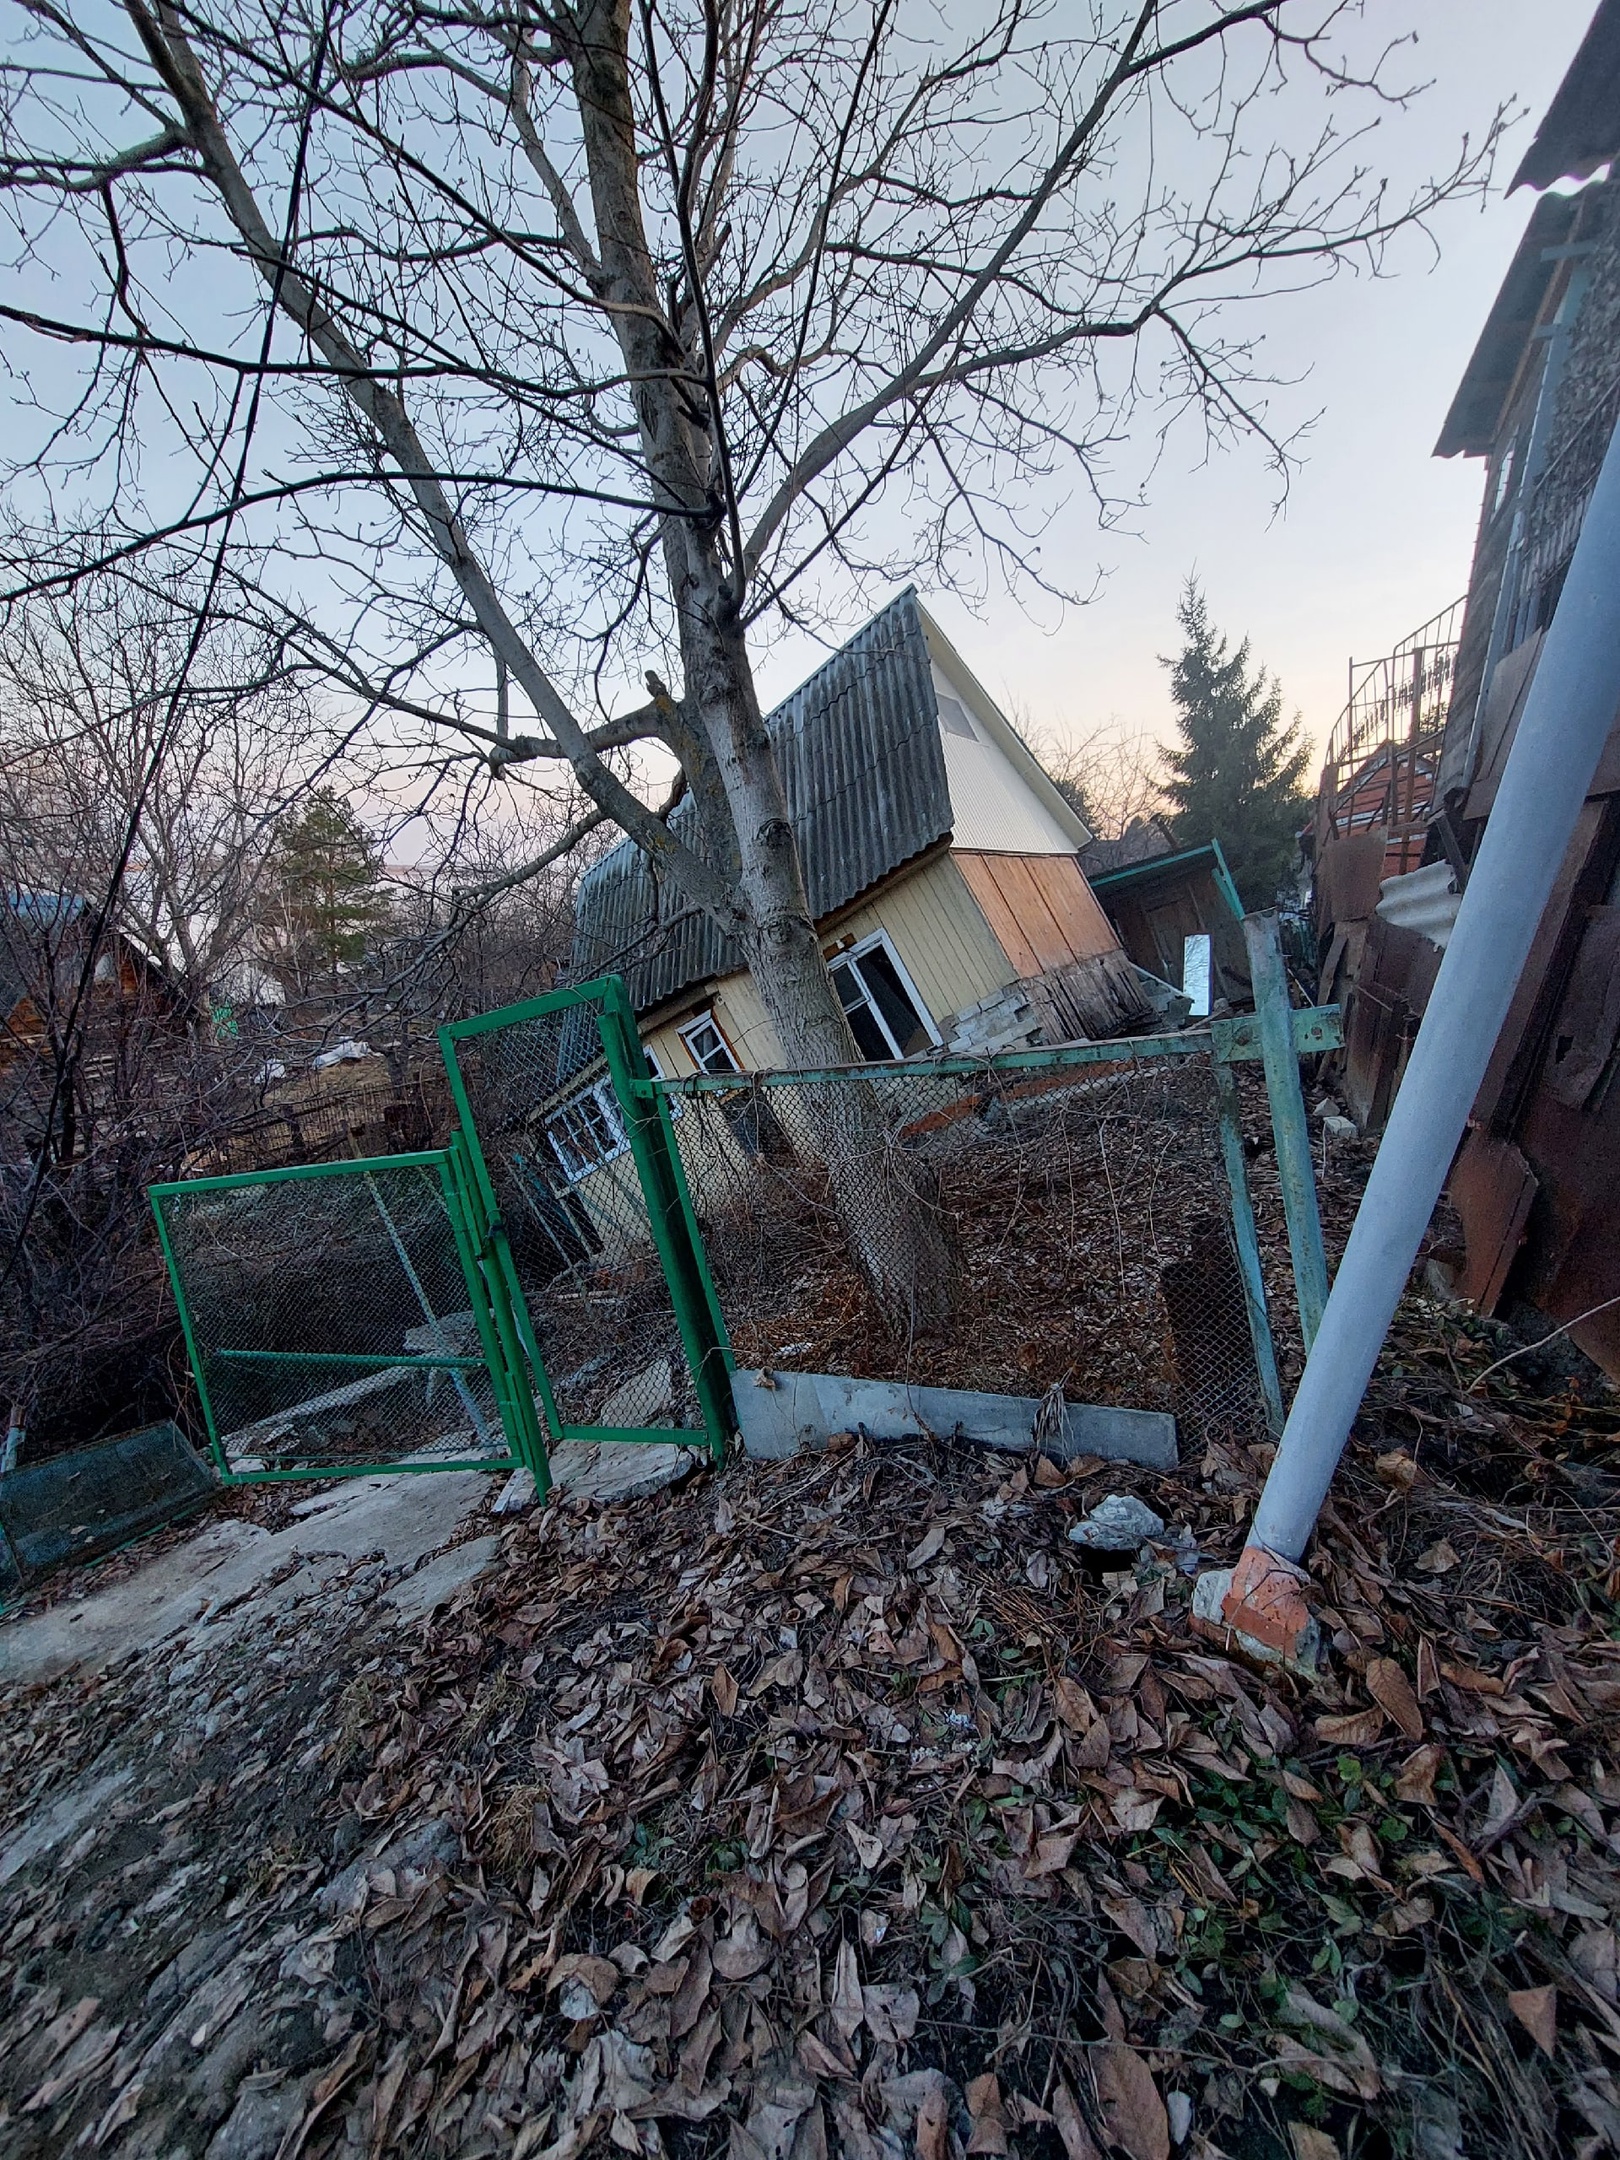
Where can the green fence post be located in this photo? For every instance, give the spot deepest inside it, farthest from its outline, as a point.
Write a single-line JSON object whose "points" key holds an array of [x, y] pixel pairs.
{"points": [[1295, 1170], [1248, 1242], [215, 1444], [674, 1228], [507, 1360]]}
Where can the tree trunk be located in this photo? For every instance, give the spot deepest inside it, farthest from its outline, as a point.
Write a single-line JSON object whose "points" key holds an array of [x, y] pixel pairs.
{"points": [[718, 732], [887, 1202]]}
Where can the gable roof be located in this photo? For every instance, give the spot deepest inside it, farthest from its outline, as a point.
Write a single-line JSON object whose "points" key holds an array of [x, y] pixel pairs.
{"points": [[1582, 128], [859, 751], [1476, 411]]}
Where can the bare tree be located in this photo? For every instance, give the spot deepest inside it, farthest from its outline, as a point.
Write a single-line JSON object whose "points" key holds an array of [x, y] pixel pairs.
{"points": [[1112, 777], [622, 331], [87, 671]]}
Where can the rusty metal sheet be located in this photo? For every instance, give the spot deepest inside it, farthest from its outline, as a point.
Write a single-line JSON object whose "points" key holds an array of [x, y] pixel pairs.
{"points": [[1491, 1187], [1584, 1034]]}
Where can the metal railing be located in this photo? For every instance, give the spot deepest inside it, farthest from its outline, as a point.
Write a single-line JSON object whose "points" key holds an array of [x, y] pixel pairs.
{"points": [[1383, 756]]}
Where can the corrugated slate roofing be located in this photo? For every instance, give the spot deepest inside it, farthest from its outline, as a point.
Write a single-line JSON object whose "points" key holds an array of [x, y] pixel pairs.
{"points": [[859, 751]]}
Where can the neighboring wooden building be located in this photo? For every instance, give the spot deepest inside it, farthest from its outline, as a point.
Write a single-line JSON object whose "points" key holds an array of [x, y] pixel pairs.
{"points": [[942, 864], [1161, 899]]}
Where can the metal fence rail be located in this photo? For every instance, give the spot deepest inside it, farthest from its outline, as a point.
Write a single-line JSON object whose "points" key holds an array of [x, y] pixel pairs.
{"points": [[336, 1319], [1087, 1201]]}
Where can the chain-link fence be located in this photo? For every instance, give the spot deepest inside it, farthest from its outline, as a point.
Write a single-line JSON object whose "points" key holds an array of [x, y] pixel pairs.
{"points": [[1080, 1213], [558, 1142], [330, 1314]]}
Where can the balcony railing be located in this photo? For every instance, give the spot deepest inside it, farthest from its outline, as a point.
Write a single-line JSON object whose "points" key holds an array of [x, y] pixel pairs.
{"points": [[1384, 751]]}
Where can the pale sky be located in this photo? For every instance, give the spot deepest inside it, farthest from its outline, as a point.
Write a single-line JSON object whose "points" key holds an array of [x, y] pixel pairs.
{"points": [[1377, 533]]}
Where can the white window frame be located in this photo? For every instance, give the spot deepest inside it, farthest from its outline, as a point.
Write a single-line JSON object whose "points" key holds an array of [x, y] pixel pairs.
{"points": [[855, 953], [689, 1028], [655, 1065], [577, 1162]]}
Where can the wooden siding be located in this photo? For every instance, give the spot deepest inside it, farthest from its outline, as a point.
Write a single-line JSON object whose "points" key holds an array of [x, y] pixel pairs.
{"points": [[936, 926], [1039, 907]]}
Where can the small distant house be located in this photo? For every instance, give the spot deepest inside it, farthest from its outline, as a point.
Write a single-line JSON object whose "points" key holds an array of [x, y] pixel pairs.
{"points": [[41, 954], [1157, 896], [943, 868]]}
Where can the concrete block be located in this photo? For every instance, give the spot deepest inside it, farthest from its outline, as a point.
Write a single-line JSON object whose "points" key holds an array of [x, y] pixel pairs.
{"points": [[803, 1410]]}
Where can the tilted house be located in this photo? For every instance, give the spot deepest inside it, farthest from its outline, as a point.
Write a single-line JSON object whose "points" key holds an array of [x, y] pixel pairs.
{"points": [[943, 868], [1536, 1182]]}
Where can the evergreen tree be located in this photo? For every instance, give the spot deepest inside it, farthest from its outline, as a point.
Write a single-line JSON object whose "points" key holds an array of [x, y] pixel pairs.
{"points": [[332, 895], [1236, 774]]}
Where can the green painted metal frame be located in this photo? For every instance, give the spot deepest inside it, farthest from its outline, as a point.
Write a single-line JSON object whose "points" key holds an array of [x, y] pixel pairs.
{"points": [[1316, 1027], [1238, 1041], [1296, 1171], [671, 1219], [433, 1160]]}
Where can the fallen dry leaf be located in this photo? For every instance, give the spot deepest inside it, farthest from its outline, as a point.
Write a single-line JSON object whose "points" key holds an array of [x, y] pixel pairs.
{"points": [[933, 2125], [1355, 1728], [1133, 2114], [724, 1690], [988, 2116], [846, 2005], [1439, 1558], [1414, 1781], [1537, 2011], [1392, 1691], [1310, 2143], [932, 1542], [1072, 2128]]}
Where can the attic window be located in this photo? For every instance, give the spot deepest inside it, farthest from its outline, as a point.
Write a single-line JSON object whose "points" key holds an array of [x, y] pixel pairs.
{"points": [[953, 717], [886, 1017]]}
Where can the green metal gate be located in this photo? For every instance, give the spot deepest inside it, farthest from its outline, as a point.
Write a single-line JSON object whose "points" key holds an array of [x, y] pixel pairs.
{"points": [[340, 1320], [582, 1208]]}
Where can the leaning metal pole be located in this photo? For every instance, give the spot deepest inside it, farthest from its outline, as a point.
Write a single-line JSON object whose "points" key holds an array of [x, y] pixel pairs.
{"points": [[1568, 714]]}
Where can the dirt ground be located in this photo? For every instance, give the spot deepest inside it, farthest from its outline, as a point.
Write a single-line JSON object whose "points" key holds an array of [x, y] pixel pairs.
{"points": [[846, 1806]]}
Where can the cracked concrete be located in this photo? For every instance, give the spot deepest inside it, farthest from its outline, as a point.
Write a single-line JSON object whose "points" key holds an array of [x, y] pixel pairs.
{"points": [[235, 1574]]}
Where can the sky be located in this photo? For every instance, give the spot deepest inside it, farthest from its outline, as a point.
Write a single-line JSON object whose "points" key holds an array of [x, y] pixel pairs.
{"points": [[1376, 534]]}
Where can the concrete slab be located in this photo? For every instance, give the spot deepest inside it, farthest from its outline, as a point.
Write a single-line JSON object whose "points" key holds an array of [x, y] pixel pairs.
{"points": [[61, 1819], [436, 1582], [610, 1470], [234, 1573], [803, 1410]]}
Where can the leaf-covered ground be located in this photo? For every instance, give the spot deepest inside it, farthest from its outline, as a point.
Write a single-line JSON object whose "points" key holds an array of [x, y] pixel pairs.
{"points": [[844, 1806]]}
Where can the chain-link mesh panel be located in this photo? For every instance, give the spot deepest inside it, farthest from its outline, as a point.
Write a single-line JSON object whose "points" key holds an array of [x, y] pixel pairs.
{"points": [[555, 1141], [304, 1291], [1081, 1213]]}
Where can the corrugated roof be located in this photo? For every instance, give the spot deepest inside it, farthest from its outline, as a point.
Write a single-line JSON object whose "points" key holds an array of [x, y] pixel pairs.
{"points": [[859, 751], [1582, 127]]}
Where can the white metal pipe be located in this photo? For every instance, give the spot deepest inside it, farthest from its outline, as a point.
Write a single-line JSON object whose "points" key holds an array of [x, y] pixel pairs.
{"points": [[1570, 709]]}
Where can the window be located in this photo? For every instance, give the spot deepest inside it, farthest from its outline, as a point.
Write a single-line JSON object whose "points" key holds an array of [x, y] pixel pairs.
{"points": [[1504, 476], [586, 1132], [953, 717], [886, 1016], [710, 1051]]}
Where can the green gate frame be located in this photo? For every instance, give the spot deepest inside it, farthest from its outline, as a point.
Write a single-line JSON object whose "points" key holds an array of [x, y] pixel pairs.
{"points": [[671, 1218], [512, 1400]]}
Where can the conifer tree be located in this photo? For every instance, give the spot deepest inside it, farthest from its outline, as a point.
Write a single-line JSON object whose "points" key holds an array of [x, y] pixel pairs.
{"points": [[1236, 773], [333, 899]]}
